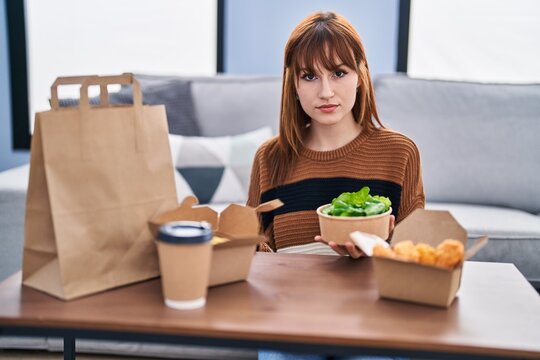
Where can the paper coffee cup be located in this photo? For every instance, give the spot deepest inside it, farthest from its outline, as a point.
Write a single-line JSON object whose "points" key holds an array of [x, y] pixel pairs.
{"points": [[185, 255]]}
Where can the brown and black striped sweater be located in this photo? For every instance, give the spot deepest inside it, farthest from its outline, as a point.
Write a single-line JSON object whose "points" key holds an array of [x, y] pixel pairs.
{"points": [[384, 160]]}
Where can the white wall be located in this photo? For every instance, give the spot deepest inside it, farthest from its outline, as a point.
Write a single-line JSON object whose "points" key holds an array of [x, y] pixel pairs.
{"points": [[480, 40], [257, 30]]}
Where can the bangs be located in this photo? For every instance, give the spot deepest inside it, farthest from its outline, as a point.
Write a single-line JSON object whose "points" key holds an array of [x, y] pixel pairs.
{"points": [[326, 48]]}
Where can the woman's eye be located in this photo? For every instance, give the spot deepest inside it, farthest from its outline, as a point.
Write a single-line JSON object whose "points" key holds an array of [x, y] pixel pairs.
{"points": [[309, 77], [340, 73]]}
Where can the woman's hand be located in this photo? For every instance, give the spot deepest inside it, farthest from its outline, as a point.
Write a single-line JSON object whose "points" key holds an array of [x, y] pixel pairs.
{"points": [[349, 248]]}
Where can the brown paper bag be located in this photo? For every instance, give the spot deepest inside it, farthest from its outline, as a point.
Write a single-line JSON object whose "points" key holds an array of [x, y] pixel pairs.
{"points": [[97, 175]]}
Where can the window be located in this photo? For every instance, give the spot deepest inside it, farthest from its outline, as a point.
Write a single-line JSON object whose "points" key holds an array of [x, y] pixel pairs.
{"points": [[480, 40]]}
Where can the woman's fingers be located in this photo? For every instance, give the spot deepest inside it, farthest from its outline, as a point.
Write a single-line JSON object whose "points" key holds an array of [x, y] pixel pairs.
{"points": [[337, 248], [354, 252], [392, 223], [349, 249]]}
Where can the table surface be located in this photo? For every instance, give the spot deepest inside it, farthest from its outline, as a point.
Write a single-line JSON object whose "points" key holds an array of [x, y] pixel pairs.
{"points": [[308, 299]]}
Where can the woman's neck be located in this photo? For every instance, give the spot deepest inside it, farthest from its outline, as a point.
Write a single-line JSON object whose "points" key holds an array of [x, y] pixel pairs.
{"points": [[330, 137]]}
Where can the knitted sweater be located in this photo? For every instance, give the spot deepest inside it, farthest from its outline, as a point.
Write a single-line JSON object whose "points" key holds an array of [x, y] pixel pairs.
{"points": [[384, 160]]}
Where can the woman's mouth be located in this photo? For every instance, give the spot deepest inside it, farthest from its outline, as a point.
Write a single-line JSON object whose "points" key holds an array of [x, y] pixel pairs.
{"points": [[328, 108]]}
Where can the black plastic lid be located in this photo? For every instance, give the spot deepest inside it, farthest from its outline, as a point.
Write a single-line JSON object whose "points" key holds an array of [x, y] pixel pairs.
{"points": [[185, 232]]}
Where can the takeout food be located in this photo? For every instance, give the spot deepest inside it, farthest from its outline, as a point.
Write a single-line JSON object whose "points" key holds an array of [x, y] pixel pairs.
{"points": [[356, 211], [236, 235], [447, 255], [434, 277], [359, 203]]}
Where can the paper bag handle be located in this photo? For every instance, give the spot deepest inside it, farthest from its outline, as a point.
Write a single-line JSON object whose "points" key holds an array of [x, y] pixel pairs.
{"points": [[85, 109], [72, 80], [103, 81]]}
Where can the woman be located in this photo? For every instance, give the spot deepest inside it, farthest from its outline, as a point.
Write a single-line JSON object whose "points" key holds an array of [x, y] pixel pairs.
{"points": [[330, 140]]}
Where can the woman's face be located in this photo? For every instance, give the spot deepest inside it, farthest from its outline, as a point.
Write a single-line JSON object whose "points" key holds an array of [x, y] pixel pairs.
{"points": [[328, 96]]}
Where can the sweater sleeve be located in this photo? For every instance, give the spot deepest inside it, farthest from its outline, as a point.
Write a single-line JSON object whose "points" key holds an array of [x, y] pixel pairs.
{"points": [[412, 194], [254, 195]]}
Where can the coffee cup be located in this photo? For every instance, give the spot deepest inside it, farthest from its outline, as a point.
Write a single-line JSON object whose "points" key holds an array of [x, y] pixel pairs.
{"points": [[185, 254]]}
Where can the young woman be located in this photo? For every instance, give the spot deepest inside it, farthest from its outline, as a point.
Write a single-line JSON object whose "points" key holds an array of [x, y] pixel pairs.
{"points": [[330, 140]]}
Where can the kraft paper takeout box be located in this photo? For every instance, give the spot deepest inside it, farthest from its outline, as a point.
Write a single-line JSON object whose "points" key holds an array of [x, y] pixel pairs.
{"points": [[231, 260], [424, 284], [338, 228]]}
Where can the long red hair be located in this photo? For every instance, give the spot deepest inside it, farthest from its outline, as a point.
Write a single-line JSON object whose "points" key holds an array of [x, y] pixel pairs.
{"points": [[322, 38]]}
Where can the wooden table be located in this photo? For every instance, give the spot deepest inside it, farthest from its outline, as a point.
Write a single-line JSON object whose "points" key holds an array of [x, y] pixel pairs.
{"points": [[305, 303]]}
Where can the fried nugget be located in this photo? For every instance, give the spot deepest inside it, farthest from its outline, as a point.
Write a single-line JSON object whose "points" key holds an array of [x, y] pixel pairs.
{"points": [[405, 250], [427, 254], [449, 253], [381, 251]]}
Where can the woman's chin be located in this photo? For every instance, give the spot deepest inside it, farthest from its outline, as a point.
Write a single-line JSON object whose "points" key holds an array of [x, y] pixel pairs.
{"points": [[327, 121]]}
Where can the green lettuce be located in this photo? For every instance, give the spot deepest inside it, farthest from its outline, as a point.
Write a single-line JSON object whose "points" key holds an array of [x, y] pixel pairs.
{"points": [[359, 203]]}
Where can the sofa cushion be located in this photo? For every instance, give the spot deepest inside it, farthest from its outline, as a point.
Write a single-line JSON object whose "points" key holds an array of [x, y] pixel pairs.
{"points": [[514, 235], [175, 94], [12, 206], [497, 222], [13, 184], [477, 141], [215, 169], [15, 179], [228, 105]]}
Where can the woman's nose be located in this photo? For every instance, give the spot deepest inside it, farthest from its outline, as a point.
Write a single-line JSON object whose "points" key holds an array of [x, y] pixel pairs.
{"points": [[326, 91]]}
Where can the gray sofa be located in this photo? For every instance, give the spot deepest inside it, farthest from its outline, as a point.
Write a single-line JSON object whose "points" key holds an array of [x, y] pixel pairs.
{"points": [[476, 142], [479, 158]]}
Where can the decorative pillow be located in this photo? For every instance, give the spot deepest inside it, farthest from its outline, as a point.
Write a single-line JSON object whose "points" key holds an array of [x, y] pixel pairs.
{"points": [[175, 94], [215, 169]]}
